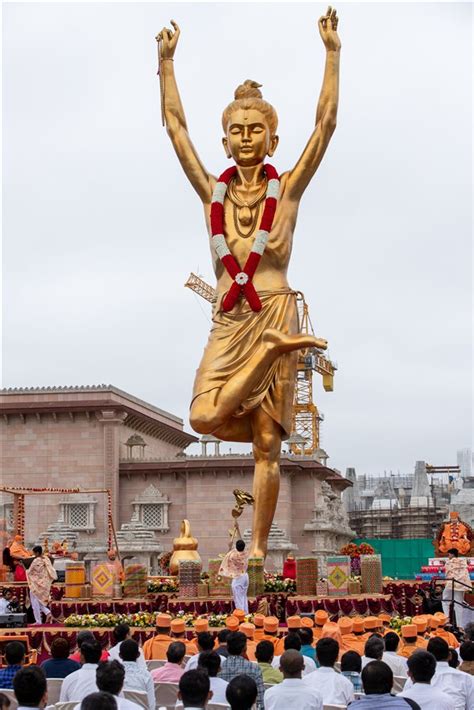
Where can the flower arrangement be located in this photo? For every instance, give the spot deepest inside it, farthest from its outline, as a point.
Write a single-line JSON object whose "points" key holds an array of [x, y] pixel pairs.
{"points": [[277, 583], [163, 584], [354, 552], [219, 619], [188, 617], [141, 619], [396, 622]]}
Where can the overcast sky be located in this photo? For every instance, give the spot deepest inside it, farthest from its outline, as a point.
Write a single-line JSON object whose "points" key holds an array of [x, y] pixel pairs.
{"points": [[101, 228]]}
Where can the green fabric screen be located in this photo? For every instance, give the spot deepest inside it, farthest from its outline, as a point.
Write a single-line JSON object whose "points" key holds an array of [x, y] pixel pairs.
{"points": [[401, 559]]}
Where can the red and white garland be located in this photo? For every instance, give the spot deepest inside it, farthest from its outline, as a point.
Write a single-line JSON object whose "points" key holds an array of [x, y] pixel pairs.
{"points": [[242, 277]]}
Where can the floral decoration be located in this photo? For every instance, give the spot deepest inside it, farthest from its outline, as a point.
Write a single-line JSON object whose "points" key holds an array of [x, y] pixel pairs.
{"points": [[278, 583]]}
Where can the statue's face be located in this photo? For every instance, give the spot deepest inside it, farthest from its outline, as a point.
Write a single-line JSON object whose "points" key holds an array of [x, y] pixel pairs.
{"points": [[248, 138]]}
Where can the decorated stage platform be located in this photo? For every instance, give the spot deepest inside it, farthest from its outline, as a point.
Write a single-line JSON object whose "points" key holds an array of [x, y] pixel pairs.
{"points": [[399, 598]]}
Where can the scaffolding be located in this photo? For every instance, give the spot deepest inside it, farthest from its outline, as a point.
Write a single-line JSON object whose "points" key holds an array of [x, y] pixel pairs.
{"points": [[397, 521]]}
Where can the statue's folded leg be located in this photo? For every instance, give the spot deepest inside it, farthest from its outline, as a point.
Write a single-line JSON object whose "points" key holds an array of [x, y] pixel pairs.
{"points": [[213, 409]]}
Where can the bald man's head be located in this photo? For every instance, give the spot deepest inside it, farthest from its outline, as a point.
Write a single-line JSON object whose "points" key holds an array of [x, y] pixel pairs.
{"points": [[292, 664]]}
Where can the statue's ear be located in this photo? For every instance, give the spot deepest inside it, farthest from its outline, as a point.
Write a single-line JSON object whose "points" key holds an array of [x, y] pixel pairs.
{"points": [[273, 145], [226, 147]]}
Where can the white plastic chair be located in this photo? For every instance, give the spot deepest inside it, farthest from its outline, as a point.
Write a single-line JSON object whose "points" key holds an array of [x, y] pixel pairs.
{"points": [[334, 707], [398, 683], [151, 665], [166, 694], [54, 690], [70, 705], [136, 696], [11, 695]]}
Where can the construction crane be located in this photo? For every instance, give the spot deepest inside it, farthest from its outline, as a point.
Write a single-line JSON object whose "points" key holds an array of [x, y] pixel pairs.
{"points": [[306, 418]]}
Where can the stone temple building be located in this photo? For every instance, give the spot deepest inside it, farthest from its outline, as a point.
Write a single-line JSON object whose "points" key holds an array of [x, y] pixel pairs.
{"points": [[405, 506], [100, 437]]}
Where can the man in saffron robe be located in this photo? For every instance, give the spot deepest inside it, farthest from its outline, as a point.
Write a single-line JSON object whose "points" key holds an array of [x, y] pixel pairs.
{"points": [[40, 575], [17, 549]]}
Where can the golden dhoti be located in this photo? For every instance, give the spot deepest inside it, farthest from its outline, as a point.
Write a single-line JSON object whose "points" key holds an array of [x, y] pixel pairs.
{"points": [[235, 338]]}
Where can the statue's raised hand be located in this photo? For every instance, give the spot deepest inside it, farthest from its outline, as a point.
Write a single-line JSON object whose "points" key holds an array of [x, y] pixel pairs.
{"points": [[328, 30], [169, 40]]}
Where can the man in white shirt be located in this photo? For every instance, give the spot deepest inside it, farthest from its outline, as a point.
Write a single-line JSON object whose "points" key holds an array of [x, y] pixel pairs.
{"points": [[397, 663], [458, 685], [292, 693], [122, 633], [30, 688], [82, 682], [335, 688], [205, 642], [136, 678], [421, 669], [293, 642], [373, 650], [210, 661], [4, 603], [110, 676]]}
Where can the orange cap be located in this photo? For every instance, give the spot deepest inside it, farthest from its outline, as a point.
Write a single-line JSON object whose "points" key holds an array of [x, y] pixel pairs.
{"points": [[239, 613], [232, 623], [247, 629], [258, 620], [321, 617], [307, 621], [442, 619], [371, 622], [408, 631], [163, 621], [385, 618], [420, 623], [178, 626], [358, 625], [345, 624], [294, 622], [270, 624], [434, 622], [201, 625]]}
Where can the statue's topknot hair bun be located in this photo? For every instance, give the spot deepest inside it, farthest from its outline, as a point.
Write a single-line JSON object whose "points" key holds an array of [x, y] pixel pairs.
{"points": [[248, 90], [248, 96]]}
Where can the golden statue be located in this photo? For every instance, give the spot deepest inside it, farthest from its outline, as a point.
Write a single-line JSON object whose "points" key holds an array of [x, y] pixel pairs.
{"points": [[245, 383], [455, 534], [184, 547]]}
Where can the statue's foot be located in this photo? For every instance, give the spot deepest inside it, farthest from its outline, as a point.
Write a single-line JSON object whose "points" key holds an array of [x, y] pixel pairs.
{"points": [[282, 343], [257, 551]]}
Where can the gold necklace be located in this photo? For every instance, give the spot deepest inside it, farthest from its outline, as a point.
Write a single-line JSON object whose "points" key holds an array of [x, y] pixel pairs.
{"points": [[242, 209]]}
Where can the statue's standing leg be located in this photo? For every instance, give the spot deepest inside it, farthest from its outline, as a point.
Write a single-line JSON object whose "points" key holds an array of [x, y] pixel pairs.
{"points": [[266, 482]]}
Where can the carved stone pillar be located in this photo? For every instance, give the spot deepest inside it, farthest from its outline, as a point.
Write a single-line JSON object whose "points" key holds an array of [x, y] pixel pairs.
{"points": [[112, 419]]}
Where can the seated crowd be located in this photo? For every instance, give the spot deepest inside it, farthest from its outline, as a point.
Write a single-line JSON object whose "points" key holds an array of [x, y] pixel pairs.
{"points": [[359, 663]]}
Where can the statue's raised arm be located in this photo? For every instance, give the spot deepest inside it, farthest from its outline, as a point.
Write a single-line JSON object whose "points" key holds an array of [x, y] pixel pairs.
{"points": [[175, 119], [326, 114]]}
